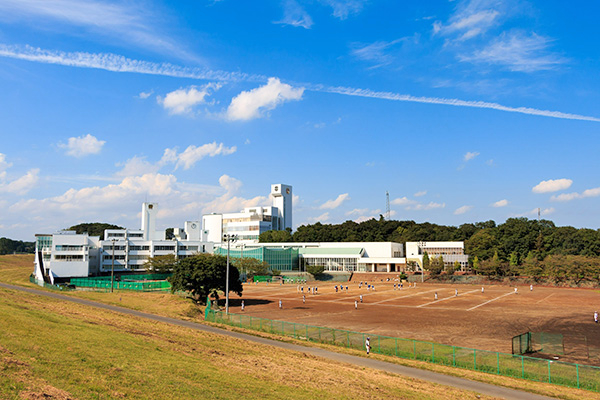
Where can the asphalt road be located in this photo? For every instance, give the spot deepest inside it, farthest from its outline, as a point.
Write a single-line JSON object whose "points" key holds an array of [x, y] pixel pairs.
{"points": [[460, 383]]}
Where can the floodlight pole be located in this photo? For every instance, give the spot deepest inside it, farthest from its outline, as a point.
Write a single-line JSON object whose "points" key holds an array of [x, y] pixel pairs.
{"points": [[229, 238], [112, 270], [421, 245]]}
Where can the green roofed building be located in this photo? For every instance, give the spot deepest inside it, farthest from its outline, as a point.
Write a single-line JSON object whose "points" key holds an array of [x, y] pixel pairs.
{"points": [[335, 257]]}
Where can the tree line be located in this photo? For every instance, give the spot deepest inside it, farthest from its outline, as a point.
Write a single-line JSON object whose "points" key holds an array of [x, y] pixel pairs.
{"points": [[9, 246], [519, 246]]}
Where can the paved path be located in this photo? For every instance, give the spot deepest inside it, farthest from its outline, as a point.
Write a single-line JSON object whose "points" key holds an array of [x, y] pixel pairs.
{"points": [[416, 373]]}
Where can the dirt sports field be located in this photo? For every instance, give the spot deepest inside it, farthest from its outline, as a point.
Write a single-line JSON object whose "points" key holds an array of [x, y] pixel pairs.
{"points": [[472, 319]]}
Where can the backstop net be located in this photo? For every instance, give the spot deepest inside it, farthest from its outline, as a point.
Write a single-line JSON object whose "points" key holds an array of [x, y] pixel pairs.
{"points": [[540, 342]]}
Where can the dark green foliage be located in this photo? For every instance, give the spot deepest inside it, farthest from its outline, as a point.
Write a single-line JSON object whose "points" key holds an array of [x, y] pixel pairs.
{"points": [[251, 266], [275, 236], [93, 228], [9, 246], [315, 270], [161, 264], [203, 275]]}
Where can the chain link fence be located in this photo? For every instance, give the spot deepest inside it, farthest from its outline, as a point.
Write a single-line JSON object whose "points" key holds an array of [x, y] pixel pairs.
{"points": [[510, 365]]}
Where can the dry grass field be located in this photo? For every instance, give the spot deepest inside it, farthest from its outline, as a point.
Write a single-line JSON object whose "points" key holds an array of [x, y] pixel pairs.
{"points": [[469, 318], [96, 354]]}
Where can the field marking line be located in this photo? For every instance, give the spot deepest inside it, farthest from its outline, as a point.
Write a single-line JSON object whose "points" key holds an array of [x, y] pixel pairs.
{"points": [[489, 301], [447, 298], [401, 297], [550, 295]]}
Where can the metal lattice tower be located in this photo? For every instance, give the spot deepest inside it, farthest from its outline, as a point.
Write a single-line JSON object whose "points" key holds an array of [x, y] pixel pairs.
{"points": [[387, 205]]}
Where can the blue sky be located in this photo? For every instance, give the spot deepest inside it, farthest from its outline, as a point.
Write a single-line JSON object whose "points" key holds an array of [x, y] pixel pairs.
{"points": [[463, 110]]}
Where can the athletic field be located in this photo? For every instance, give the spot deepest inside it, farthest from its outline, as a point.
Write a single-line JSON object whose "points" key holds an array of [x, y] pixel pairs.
{"points": [[482, 320]]}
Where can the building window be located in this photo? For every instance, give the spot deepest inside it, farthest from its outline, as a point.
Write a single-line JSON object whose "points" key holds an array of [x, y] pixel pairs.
{"points": [[68, 257], [164, 248]]}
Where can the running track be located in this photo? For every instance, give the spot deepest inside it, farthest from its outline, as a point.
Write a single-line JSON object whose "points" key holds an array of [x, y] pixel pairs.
{"points": [[416, 373]]}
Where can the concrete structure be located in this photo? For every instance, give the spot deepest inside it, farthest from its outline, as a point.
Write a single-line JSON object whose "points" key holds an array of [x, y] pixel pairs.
{"points": [[68, 255], [249, 223], [450, 252]]}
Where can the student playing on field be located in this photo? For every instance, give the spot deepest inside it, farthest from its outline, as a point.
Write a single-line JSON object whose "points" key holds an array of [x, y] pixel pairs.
{"points": [[280, 304], [596, 316], [243, 306], [361, 298], [435, 297], [355, 304]]}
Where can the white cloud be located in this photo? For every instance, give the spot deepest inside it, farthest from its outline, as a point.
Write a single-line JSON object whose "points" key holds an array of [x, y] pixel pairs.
{"points": [[136, 165], [425, 207], [595, 192], [343, 8], [500, 203], [116, 63], [462, 210], [295, 15], [145, 95], [552, 185], [472, 18], [517, 52], [82, 146], [4, 165], [190, 156], [182, 101], [376, 52], [333, 204], [421, 193], [321, 218], [402, 201], [230, 201], [124, 22], [23, 184], [252, 104], [470, 155]]}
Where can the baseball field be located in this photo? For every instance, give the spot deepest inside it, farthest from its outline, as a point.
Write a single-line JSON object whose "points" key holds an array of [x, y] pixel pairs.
{"points": [[463, 315]]}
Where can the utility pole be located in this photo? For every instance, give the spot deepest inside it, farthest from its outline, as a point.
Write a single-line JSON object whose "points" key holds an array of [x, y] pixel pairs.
{"points": [[229, 238], [112, 269]]}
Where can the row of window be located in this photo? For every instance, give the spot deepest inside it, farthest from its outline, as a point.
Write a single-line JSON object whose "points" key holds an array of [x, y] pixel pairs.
{"points": [[64, 247], [333, 264], [241, 228], [68, 257]]}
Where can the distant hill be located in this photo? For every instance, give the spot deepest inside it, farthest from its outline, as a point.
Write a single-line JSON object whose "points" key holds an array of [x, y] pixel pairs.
{"points": [[9, 246], [93, 228]]}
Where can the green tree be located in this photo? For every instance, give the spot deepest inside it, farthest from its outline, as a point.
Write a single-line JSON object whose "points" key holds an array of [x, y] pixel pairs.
{"points": [[204, 274], [426, 261], [455, 268], [93, 228], [251, 266], [161, 264], [275, 236], [436, 266], [315, 270]]}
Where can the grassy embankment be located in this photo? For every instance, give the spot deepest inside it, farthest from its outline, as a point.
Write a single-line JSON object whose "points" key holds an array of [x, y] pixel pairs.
{"points": [[135, 358]]}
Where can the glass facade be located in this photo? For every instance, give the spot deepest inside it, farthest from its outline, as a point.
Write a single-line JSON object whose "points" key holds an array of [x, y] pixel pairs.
{"points": [[332, 264]]}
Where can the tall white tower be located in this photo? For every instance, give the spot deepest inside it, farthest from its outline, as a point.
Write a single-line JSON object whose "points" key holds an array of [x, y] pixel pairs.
{"points": [[282, 199], [149, 211]]}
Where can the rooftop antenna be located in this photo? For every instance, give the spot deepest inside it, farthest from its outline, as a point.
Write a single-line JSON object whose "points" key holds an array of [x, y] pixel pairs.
{"points": [[387, 205]]}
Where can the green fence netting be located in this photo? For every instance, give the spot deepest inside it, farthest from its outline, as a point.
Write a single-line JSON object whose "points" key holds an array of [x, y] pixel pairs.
{"points": [[511, 365]]}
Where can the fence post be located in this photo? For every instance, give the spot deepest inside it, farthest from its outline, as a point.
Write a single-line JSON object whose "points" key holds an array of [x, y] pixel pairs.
{"points": [[577, 368], [498, 359], [414, 349], [549, 377], [522, 367], [295, 330], [282, 328], [454, 356], [379, 343], [433, 353], [319, 333], [475, 359], [396, 347], [241, 325], [348, 333], [307, 338]]}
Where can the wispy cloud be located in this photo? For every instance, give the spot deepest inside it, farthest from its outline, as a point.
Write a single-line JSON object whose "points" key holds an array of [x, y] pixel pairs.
{"points": [[517, 51], [595, 192], [295, 15], [333, 204], [321, 218], [462, 210], [421, 193], [552, 185], [344, 8], [116, 63], [82, 146], [468, 23], [470, 155], [429, 206], [253, 104], [376, 52], [124, 22]]}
